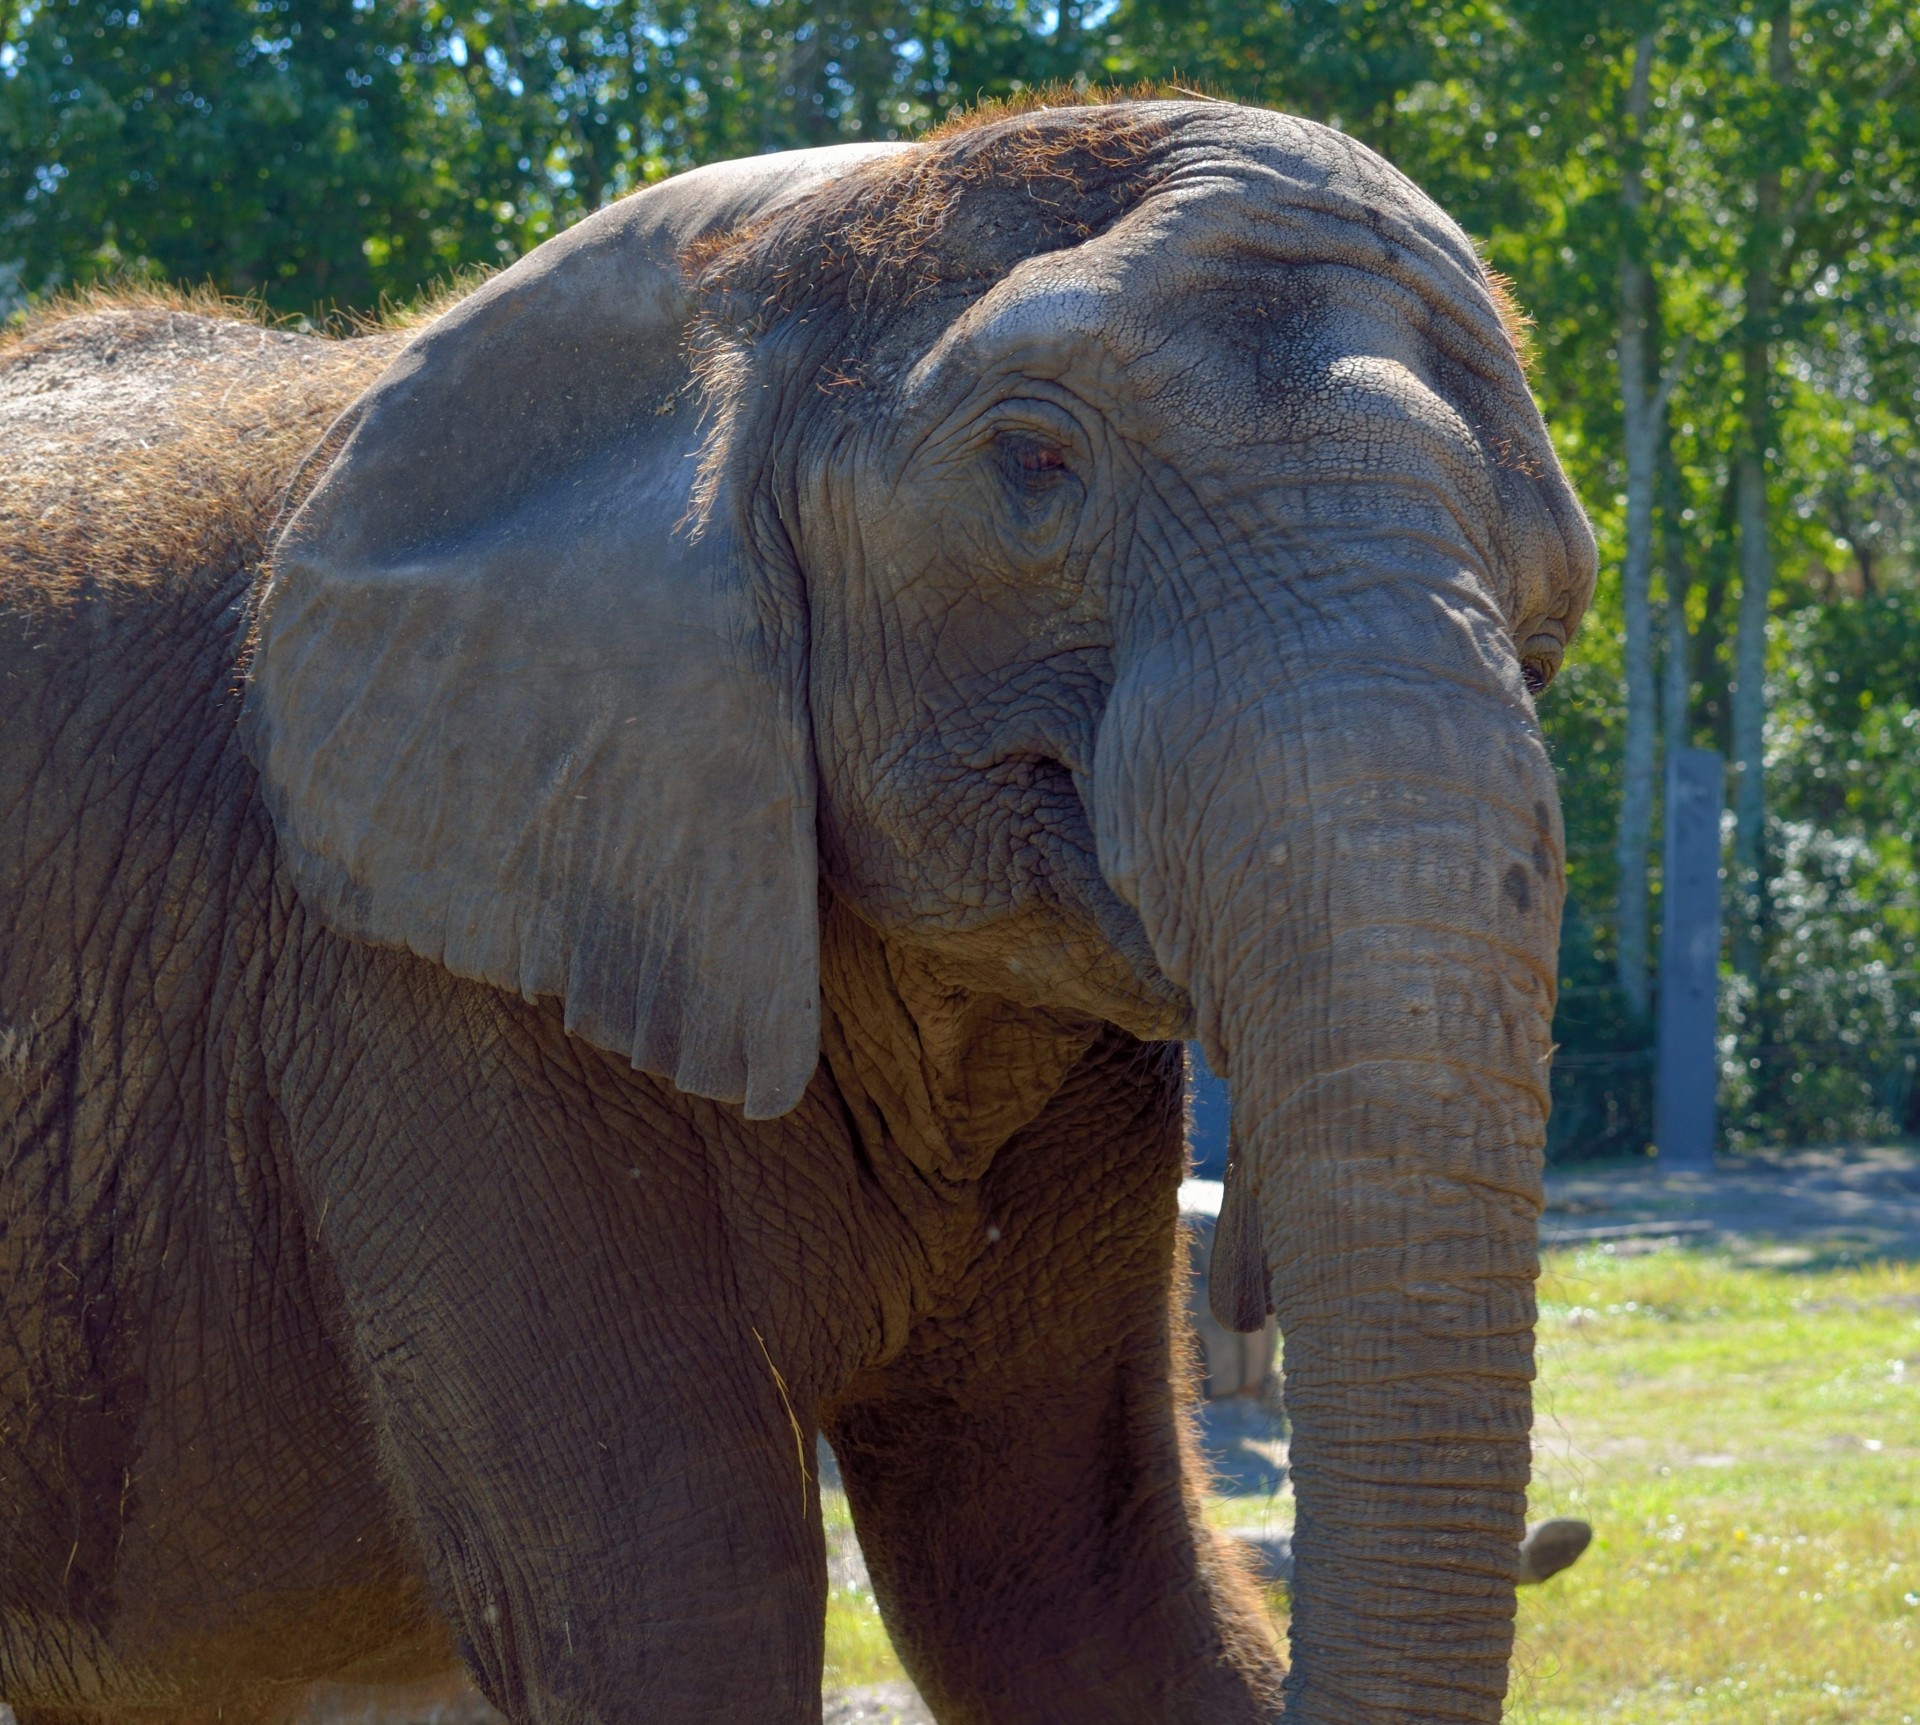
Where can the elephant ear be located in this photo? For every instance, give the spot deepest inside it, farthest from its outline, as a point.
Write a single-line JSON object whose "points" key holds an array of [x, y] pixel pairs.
{"points": [[511, 714]]}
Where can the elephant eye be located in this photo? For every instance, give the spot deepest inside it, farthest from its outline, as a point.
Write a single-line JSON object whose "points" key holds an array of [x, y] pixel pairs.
{"points": [[1031, 461]]}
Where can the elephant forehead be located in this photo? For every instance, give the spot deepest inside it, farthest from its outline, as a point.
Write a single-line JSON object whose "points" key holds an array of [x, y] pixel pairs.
{"points": [[1251, 183], [1226, 265], [1324, 367]]}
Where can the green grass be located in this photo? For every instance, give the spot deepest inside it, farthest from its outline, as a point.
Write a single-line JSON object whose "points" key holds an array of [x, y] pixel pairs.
{"points": [[858, 1651], [1746, 1442]]}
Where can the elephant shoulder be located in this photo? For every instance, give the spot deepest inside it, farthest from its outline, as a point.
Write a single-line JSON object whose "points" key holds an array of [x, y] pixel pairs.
{"points": [[150, 440], [146, 446]]}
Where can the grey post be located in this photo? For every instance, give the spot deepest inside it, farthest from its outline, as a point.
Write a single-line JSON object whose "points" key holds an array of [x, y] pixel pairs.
{"points": [[1687, 1073]]}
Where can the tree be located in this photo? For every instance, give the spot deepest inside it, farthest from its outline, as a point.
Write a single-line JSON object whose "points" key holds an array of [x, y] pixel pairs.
{"points": [[1646, 387], [289, 148], [335, 152], [1820, 151]]}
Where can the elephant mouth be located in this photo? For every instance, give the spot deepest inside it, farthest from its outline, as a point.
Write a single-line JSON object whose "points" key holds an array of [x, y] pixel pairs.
{"points": [[1101, 961], [1086, 955], [1049, 934], [1163, 1008]]}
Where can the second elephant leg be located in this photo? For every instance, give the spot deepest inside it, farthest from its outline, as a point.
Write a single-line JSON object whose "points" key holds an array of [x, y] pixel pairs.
{"points": [[1023, 1488]]}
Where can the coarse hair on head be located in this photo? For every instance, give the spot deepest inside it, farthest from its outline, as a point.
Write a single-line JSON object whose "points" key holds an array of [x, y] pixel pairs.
{"points": [[916, 233], [1514, 318], [871, 240], [217, 406]]}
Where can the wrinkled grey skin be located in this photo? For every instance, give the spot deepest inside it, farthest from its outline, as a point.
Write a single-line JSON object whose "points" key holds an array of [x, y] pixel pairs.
{"points": [[678, 949]]}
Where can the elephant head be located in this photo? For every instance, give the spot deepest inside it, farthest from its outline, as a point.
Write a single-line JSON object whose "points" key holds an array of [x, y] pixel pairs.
{"points": [[1114, 550]]}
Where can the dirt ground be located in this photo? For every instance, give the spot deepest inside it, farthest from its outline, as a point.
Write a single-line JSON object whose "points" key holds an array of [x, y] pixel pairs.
{"points": [[883, 1704], [1800, 1207]]}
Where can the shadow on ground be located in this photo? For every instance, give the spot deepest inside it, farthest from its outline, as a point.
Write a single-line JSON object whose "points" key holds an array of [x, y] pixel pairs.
{"points": [[1244, 1440], [1805, 1209]]}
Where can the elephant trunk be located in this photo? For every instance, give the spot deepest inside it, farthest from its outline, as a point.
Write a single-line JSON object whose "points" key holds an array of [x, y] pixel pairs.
{"points": [[1356, 873]]}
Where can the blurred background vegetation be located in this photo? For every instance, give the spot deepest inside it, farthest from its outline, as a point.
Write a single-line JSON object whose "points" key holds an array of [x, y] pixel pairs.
{"points": [[1713, 210]]}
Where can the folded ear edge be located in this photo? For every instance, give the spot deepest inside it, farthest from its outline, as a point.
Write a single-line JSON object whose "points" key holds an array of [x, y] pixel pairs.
{"points": [[762, 1065]]}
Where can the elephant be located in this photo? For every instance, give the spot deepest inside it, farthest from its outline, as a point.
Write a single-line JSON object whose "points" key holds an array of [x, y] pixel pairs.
{"points": [[613, 878]]}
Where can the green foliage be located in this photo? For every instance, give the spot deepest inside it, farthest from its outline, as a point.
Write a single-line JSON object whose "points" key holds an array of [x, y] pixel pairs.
{"points": [[1832, 1041], [1603, 1072], [326, 153], [292, 149]]}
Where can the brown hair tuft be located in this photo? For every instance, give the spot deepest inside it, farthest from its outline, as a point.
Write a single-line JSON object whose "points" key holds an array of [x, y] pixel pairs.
{"points": [[1051, 98], [153, 431], [151, 436], [1517, 322], [872, 239]]}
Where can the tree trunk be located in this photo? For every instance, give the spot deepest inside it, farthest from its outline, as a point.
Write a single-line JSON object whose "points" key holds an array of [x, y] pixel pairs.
{"points": [[1756, 550], [1641, 406], [1676, 718], [1750, 710]]}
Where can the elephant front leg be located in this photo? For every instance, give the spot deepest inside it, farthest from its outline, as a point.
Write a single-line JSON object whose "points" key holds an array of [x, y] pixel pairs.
{"points": [[581, 1423], [676, 1580], [1025, 1489]]}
